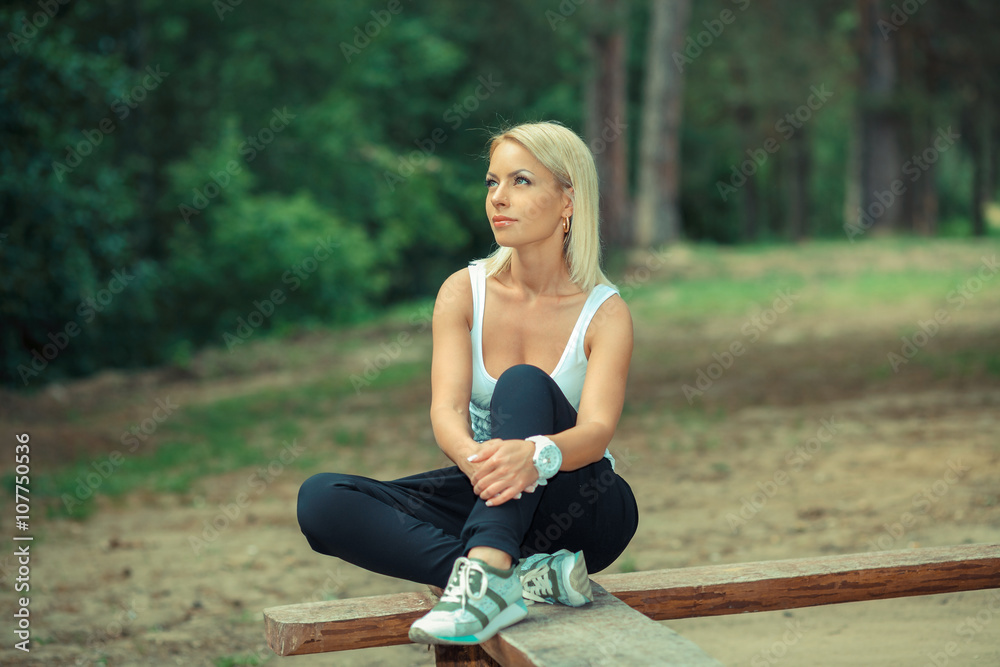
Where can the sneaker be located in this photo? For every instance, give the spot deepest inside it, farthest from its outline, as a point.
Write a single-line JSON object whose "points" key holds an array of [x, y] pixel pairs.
{"points": [[561, 577], [479, 601]]}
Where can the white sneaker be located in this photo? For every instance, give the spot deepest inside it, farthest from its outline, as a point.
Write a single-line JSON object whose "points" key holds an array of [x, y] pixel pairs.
{"points": [[560, 577], [479, 601]]}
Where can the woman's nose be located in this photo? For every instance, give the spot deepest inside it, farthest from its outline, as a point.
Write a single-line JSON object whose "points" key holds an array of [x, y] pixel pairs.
{"points": [[499, 196]]}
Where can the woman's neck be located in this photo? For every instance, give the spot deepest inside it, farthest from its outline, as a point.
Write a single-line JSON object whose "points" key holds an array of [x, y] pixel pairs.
{"points": [[540, 272]]}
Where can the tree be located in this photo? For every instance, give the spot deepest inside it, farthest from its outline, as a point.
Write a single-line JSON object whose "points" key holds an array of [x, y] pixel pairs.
{"points": [[607, 115], [657, 217]]}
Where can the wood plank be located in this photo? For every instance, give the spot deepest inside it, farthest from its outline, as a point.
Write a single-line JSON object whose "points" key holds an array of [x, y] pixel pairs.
{"points": [[341, 625], [463, 656], [668, 594], [605, 632], [805, 582]]}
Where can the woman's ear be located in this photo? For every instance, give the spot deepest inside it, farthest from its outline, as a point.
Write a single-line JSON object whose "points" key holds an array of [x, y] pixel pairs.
{"points": [[568, 208]]}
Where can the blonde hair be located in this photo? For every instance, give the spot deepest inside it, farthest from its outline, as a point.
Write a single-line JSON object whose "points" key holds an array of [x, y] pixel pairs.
{"points": [[562, 152]]}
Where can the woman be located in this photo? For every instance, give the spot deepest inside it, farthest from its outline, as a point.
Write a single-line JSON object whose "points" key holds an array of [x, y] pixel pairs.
{"points": [[532, 471]]}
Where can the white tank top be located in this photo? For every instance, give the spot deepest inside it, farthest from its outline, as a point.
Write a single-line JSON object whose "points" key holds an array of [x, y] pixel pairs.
{"points": [[569, 373]]}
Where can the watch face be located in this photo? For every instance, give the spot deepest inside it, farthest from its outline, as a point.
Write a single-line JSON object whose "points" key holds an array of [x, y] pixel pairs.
{"points": [[549, 460]]}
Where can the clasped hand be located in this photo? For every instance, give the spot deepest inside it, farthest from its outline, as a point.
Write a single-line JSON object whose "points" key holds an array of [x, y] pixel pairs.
{"points": [[502, 470]]}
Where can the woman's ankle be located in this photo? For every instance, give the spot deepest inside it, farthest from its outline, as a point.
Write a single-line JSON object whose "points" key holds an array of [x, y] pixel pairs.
{"points": [[492, 557]]}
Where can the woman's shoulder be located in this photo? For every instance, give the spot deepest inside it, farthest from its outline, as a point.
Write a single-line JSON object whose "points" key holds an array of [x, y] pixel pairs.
{"points": [[612, 315], [456, 291]]}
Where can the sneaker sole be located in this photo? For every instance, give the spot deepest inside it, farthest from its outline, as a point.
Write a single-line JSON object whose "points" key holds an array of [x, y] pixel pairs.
{"points": [[508, 617], [580, 591]]}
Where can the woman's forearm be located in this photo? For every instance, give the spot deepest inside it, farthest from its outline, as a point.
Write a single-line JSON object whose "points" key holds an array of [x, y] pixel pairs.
{"points": [[583, 444], [454, 436]]}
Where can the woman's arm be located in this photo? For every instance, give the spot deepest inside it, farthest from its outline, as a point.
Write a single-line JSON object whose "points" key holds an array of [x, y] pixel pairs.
{"points": [[451, 371], [611, 338], [604, 387]]}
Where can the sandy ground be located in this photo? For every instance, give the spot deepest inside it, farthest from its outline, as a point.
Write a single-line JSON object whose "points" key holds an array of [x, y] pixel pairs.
{"points": [[799, 449]]}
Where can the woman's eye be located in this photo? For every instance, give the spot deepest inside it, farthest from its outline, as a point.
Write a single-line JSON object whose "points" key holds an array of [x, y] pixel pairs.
{"points": [[522, 179], [489, 182]]}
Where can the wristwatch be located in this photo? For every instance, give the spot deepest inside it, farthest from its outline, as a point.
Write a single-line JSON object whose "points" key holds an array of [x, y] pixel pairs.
{"points": [[547, 458]]}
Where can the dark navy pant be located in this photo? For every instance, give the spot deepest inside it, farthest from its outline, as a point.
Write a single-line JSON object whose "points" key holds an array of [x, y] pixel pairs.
{"points": [[415, 527]]}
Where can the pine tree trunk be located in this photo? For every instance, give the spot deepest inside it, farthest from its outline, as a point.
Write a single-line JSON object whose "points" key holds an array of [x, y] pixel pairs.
{"points": [[607, 120], [657, 217], [798, 192], [880, 158]]}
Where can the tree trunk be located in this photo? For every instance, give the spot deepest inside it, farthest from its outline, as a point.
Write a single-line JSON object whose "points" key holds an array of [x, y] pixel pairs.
{"points": [[798, 186], [978, 148], [657, 210], [880, 150], [746, 120], [607, 116]]}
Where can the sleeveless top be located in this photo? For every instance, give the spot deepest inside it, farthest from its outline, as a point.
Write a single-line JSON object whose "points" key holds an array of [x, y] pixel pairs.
{"points": [[568, 374]]}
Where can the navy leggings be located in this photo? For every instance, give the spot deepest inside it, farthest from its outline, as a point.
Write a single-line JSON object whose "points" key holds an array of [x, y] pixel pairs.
{"points": [[415, 527]]}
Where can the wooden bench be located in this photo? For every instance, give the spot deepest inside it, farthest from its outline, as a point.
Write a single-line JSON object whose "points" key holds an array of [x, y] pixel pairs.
{"points": [[620, 629]]}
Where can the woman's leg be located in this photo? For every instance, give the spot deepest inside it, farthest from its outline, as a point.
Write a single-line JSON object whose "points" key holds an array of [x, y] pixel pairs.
{"points": [[590, 509], [526, 402], [407, 528]]}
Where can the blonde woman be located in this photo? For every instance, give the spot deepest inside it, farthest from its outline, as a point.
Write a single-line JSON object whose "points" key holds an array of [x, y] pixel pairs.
{"points": [[531, 351]]}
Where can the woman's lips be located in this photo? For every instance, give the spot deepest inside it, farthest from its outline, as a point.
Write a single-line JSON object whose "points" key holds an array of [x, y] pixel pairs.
{"points": [[502, 221]]}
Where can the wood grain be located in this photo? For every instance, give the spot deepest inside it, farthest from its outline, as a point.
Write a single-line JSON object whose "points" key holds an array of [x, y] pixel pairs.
{"points": [[605, 632], [661, 595], [806, 582]]}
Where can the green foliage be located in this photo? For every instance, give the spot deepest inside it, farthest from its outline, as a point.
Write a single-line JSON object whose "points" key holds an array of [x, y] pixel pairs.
{"points": [[166, 166]]}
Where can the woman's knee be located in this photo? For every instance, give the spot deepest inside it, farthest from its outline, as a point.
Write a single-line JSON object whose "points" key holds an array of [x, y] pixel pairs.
{"points": [[318, 496], [523, 375]]}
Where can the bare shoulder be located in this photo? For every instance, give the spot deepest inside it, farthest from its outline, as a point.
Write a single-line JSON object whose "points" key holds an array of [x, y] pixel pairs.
{"points": [[454, 298], [614, 315], [612, 322]]}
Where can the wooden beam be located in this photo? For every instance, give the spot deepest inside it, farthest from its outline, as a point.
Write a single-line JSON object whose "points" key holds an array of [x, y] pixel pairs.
{"points": [[341, 625], [805, 582], [605, 632], [668, 594]]}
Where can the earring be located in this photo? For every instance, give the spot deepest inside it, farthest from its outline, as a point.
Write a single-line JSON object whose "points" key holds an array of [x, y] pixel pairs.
{"points": [[566, 225]]}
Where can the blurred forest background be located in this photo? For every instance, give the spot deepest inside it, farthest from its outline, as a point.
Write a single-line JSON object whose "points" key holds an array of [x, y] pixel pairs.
{"points": [[183, 174]]}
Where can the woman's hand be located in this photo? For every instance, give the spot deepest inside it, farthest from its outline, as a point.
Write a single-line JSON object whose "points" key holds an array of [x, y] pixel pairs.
{"points": [[504, 469]]}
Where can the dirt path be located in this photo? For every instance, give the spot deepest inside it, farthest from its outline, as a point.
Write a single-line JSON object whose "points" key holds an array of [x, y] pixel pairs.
{"points": [[799, 449]]}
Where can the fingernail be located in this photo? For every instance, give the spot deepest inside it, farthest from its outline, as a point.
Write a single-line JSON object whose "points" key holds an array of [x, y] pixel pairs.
{"points": [[472, 458], [489, 503]]}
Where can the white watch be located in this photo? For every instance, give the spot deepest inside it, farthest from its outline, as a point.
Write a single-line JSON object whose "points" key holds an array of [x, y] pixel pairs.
{"points": [[547, 458]]}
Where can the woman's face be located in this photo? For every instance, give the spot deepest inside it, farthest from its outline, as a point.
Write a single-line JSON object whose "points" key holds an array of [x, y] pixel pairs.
{"points": [[524, 201]]}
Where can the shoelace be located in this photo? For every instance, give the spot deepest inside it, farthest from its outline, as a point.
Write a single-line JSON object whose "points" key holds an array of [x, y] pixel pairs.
{"points": [[536, 584], [459, 588]]}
